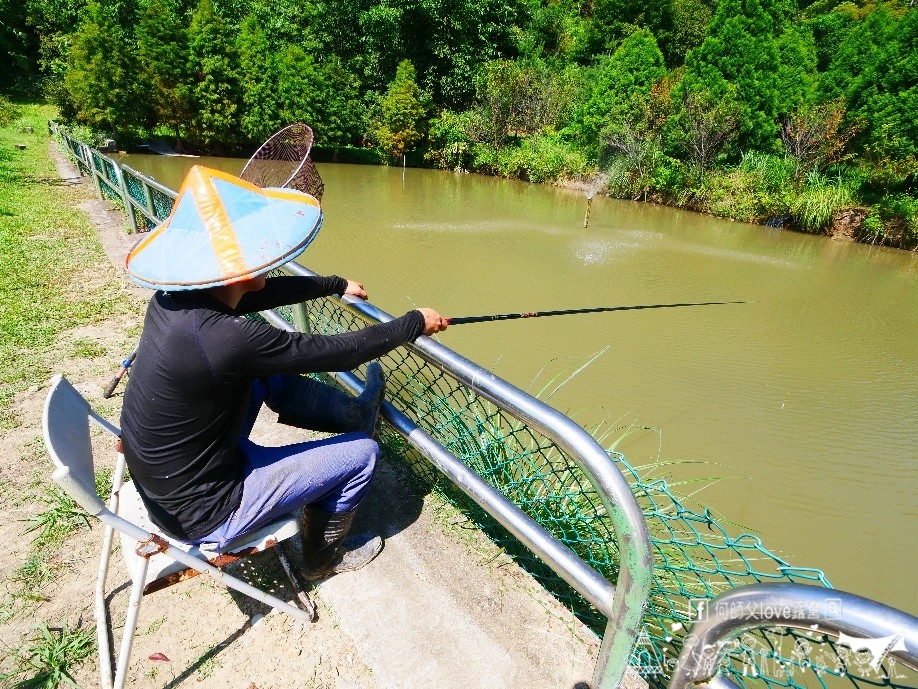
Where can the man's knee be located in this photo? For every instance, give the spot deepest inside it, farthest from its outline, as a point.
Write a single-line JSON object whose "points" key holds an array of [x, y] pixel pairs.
{"points": [[366, 451]]}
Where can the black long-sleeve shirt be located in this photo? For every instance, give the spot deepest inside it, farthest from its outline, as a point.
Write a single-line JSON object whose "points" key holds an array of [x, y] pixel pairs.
{"points": [[190, 385]]}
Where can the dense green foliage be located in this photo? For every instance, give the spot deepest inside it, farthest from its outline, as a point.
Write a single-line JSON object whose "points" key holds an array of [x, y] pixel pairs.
{"points": [[664, 98], [401, 116]]}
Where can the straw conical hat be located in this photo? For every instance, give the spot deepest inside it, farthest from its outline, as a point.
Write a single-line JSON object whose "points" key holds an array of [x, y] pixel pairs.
{"points": [[223, 230]]}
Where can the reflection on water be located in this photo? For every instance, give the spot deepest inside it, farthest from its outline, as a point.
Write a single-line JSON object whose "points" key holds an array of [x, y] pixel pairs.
{"points": [[803, 400]]}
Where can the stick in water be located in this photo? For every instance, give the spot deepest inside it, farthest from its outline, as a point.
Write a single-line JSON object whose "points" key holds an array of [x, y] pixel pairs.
{"points": [[538, 314]]}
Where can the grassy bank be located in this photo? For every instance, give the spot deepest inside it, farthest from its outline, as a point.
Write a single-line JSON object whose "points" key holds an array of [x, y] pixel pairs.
{"points": [[56, 274], [62, 308], [842, 200]]}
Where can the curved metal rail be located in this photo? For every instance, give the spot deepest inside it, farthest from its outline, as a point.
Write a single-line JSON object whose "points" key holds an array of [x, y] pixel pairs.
{"points": [[808, 608], [622, 605]]}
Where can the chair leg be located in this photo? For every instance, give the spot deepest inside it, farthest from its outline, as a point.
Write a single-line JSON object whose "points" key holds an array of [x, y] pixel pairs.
{"points": [[105, 653], [105, 659], [304, 600], [130, 622]]}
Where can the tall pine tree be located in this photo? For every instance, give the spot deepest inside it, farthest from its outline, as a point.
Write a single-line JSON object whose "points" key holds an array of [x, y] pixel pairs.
{"points": [[741, 51], [216, 93], [162, 46]]}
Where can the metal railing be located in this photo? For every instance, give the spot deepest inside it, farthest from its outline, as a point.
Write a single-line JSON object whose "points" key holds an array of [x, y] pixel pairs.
{"points": [[867, 638], [147, 203], [622, 604]]}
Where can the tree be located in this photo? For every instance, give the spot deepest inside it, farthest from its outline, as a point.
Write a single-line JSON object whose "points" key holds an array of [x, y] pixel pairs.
{"points": [[690, 25], [102, 75], [17, 43], [796, 78], [445, 40], [323, 94], [258, 81], [705, 125], [162, 46], [216, 92], [619, 89], [814, 136], [400, 124], [860, 52], [885, 96], [519, 98], [612, 21], [287, 84], [740, 53]]}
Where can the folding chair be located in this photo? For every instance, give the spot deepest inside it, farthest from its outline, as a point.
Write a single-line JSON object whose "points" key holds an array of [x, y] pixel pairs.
{"points": [[153, 560]]}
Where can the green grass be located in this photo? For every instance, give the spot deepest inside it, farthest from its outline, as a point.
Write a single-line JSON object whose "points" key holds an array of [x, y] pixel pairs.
{"points": [[813, 206], [55, 273], [49, 659], [56, 277], [86, 348], [50, 528], [61, 517]]}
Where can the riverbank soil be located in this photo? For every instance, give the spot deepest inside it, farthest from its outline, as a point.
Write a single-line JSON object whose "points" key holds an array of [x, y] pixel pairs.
{"points": [[848, 223], [441, 606]]}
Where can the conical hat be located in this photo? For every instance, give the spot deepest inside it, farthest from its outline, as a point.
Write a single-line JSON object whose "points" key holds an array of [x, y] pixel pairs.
{"points": [[223, 230]]}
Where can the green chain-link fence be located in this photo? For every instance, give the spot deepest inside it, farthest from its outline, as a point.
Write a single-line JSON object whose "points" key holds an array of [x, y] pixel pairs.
{"points": [[158, 203]]}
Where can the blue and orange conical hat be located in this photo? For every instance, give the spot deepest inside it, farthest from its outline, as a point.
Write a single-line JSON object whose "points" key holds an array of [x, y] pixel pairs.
{"points": [[223, 230]]}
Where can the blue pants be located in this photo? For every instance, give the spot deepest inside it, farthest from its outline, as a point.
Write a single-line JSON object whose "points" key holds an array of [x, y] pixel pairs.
{"points": [[333, 474]]}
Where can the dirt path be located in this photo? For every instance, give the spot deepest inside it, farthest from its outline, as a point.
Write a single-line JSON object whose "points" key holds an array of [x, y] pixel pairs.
{"points": [[442, 606]]}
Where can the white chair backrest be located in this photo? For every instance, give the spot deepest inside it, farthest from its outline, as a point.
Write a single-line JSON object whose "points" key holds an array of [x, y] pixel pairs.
{"points": [[66, 430]]}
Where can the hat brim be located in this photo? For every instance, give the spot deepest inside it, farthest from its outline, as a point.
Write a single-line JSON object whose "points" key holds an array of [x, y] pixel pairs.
{"points": [[224, 230]]}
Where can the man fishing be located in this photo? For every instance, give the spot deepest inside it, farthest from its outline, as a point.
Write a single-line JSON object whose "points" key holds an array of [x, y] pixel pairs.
{"points": [[203, 371]]}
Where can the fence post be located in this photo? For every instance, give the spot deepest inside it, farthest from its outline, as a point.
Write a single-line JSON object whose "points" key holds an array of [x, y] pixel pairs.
{"points": [[149, 197], [95, 174], [301, 318], [125, 197]]}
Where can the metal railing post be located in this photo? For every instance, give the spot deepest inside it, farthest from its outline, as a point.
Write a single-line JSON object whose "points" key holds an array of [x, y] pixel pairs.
{"points": [[95, 174], [148, 195], [301, 318], [125, 197]]}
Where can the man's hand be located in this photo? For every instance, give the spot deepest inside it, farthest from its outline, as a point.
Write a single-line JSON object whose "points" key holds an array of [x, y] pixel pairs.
{"points": [[433, 321], [355, 289]]}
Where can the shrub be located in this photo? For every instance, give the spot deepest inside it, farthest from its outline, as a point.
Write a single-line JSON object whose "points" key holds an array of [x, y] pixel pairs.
{"points": [[450, 138], [812, 208], [894, 220], [8, 111], [540, 158]]}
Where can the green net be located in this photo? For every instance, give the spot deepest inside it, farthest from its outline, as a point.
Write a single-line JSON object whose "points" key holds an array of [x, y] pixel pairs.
{"points": [[696, 557], [109, 180], [157, 203]]}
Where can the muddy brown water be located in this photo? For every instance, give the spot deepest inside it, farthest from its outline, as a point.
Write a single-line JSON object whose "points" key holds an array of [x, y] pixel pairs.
{"points": [[794, 415]]}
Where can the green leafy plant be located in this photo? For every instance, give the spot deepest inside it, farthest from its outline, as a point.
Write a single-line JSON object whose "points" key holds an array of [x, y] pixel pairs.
{"points": [[8, 111], [812, 208], [61, 518], [48, 662]]}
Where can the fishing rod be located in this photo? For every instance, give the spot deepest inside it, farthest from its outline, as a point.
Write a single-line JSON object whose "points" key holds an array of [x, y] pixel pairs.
{"points": [[125, 365], [565, 312]]}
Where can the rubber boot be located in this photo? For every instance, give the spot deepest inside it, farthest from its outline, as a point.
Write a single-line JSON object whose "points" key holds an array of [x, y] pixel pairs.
{"points": [[317, 406], [327, 548]]}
